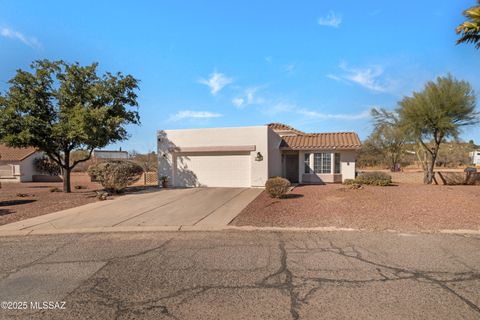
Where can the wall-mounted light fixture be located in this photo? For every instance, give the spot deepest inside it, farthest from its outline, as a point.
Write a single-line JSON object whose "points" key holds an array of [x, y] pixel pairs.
{"points": [[259, 157]]}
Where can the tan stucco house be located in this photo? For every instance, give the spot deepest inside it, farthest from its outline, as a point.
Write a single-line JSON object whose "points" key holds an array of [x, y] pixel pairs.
{"points": [[248, 156], [17, 164]]}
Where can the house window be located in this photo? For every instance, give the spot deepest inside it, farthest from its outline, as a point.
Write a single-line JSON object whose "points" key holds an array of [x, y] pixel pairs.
{"points": [[337, 163], [322, 162], [308, 169]]}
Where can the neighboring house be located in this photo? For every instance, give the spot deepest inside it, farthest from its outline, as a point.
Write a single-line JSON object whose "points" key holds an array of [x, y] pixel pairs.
{"points": [[17, 164], [475, 157], [248, 156], [110, 155]]}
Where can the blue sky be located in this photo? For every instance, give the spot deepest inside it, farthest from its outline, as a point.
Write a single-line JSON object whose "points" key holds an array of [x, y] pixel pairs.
{"points": [[316, 65]]}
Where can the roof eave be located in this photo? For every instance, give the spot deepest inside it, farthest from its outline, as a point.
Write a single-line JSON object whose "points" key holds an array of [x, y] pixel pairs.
{"points": [[321, 148]]}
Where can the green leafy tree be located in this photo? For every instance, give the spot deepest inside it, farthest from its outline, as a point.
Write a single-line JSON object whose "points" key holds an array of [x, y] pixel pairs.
{"points": [[470, 29], [436, 113], [388, 136], [59, 107]]}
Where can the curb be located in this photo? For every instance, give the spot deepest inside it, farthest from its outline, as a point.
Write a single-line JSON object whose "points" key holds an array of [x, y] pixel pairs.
{"points": [[25, 232]]}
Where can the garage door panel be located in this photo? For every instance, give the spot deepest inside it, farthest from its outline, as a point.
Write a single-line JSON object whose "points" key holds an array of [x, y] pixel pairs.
{"points": [[213, 170]]}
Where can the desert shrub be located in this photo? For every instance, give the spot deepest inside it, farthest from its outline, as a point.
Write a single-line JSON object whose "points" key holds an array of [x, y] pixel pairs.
{"points": [[348, 181], [102, 195], [355, 186], [276, 187], [374, 178], [47, 166], [115, 176]]}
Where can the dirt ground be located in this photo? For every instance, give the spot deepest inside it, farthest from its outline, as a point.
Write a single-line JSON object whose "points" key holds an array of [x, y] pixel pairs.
{"points": [[20, 201], [405, 207]]}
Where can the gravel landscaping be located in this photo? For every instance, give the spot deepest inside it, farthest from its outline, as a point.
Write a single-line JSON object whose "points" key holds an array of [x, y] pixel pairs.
{"points": [[406, 207], [19, 201]]}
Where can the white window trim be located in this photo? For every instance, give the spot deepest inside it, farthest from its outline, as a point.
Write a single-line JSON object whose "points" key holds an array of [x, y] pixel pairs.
{"points": [[332, 162]]}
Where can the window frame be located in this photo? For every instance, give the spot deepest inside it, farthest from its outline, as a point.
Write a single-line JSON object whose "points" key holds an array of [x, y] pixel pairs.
{"points": [[322, 163]]}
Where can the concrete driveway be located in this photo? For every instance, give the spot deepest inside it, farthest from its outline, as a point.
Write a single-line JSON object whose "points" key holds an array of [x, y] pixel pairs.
{"points": [[171, 209]]}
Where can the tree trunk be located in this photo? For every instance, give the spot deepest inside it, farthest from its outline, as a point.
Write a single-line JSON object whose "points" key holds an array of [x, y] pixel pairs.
{"points": [[66, 174], [428, 179], [428, 176], [66, 180]]}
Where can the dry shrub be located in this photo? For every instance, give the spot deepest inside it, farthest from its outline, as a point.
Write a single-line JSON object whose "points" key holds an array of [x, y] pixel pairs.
{"points": [[277, 187], [115, 176]]}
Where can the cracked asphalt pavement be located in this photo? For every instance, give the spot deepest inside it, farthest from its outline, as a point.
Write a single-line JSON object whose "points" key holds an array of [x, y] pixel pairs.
{"points": [[243, 275]]}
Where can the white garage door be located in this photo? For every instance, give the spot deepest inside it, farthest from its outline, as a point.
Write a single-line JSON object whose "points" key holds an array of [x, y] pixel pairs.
{"points": [[213, 170]]}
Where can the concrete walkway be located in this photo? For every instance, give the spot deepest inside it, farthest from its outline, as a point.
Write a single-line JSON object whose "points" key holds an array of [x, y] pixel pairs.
{"points": [[169, 209]]}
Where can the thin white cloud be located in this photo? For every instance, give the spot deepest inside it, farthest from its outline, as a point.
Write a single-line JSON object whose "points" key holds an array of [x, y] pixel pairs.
{"points": [[216, 82], [248, 97], [238, 102], [16, 35], [285, 107], [334, 77], [368, 77], [188, 114], [281, 107], [268, 59], [332, 19], [334, 116]]}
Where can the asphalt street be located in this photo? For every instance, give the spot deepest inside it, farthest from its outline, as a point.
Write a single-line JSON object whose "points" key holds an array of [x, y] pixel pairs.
{"points": [[240, 275]]}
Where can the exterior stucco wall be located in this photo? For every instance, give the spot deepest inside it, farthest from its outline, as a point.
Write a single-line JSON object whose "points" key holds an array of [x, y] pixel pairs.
{"points": [[215, 137], [275, 164], [348, 160], [27, 168], [347, 168]]}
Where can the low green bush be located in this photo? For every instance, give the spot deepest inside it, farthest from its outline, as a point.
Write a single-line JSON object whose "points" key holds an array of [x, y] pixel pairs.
{"points": [[374, 178], [277, 187], [115, 176]]}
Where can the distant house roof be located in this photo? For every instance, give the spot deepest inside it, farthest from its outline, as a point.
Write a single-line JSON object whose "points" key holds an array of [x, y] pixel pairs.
{"points": [[334, 140], [283, 127], [15, 154]]}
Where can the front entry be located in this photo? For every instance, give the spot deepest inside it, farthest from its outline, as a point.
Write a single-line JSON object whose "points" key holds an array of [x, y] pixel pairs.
{"points": [[291, 167]]}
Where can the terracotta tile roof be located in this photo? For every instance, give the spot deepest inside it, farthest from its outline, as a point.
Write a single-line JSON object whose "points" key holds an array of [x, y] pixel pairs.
{"points": [[15, 154], [282, 127], [335, 140]]}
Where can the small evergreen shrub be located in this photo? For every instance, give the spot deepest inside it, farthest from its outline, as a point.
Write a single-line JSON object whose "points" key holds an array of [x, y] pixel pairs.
{"points": [[277, 187], [115, 176], [375, 178]]}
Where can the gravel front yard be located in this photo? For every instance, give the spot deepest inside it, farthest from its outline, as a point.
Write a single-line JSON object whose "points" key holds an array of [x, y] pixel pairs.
{"points": [[38, 200], [406, 207]]}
